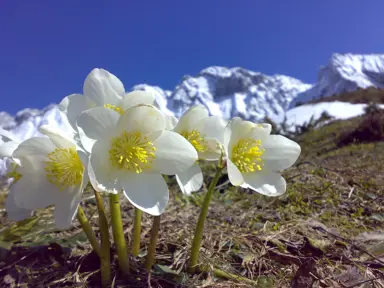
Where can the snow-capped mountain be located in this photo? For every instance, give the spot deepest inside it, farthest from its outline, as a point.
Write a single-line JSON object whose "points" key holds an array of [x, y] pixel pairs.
{"points": [[26, 122], [225, 92], [230, 92], [345, 73], [236, 92]]}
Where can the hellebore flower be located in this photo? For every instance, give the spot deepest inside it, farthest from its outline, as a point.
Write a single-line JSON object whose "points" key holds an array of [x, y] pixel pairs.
{"points": [[206, 134], [14, 212], [51, 171], [255, 158], [131, 151], [102, 89], [8, 144]]}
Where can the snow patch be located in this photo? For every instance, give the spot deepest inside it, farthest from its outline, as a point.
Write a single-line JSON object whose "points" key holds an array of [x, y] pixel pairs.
{"points": [[339, 110]]}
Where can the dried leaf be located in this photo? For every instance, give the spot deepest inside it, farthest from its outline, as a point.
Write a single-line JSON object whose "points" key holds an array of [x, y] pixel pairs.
{"points": [[17, 230]]}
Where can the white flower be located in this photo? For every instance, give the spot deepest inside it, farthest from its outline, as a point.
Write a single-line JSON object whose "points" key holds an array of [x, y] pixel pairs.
{"points": [[206, 134], [130, 152], [51, 172], [102, 89], [170, 122], [14, 212], [8, 144], [255, 158]]}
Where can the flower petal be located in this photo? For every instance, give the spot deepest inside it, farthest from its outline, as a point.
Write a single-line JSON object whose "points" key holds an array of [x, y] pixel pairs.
{"points": [[138, 97], [240, 129], [170, 122], [280, 152], [236, 129], [103, 87], [96, 124], [213, 152], [73, 105], [174, 154], [227, 138], [14, 212], [261, 131], [7, 148], [66, 207], [32, 190], [142, 118], [213, 127], [146, 191], [35, 146], [266, 183], [190, 180], [102, 175], [234, 174], [189, 119], [59, 138]]}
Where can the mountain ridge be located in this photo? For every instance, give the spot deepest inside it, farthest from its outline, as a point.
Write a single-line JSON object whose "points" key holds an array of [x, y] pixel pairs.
{"points": [[345, 73], [230, 92]]}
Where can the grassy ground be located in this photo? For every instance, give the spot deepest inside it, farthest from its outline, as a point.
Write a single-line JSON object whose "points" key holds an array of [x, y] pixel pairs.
{"points": [[367, 95], [326, 231]]}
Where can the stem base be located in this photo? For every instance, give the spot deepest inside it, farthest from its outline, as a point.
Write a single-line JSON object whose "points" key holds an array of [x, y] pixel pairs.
{"points": [[118, 233], [200, 223]]}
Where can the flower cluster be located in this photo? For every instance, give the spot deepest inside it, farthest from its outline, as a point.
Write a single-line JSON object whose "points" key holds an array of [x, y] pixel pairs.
{"points": [[122, 142]]}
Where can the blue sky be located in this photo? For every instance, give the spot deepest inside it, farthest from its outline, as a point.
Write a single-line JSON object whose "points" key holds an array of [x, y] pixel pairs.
{"points": [[48, 47]]}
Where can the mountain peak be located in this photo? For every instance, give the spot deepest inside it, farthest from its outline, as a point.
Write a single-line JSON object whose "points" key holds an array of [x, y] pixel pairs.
{"points": [[345, 73], [236, 91]]}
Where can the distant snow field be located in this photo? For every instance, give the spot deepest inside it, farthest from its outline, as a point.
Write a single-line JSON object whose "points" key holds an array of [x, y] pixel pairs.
{"points": [[339, 110]]}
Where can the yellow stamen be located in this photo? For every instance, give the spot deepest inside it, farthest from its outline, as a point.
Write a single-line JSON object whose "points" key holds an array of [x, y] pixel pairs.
{"points": [[196, 140], [118, 109], [246, 155], [64, 168], [132, 151]]}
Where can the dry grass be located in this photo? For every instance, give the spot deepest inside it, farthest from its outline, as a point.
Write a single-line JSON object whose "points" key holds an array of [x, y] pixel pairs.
{"points": [[367, 95], [326, 231], [370, 128]]}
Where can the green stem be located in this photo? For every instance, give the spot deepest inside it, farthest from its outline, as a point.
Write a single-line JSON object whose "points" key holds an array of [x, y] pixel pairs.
{"points": [[137, 232], [87, 228], [105, 254], [200, 223], [118, 233], [152, 243]]}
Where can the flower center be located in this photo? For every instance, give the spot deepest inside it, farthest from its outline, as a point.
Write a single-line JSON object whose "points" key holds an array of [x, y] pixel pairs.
{"points": [[118, 109], [196, 140], [64, 168], [246, 155], [132, 151]]}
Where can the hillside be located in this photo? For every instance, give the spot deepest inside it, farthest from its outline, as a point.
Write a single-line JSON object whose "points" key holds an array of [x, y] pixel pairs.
{"points": [[369, 95], [326, 230]]}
